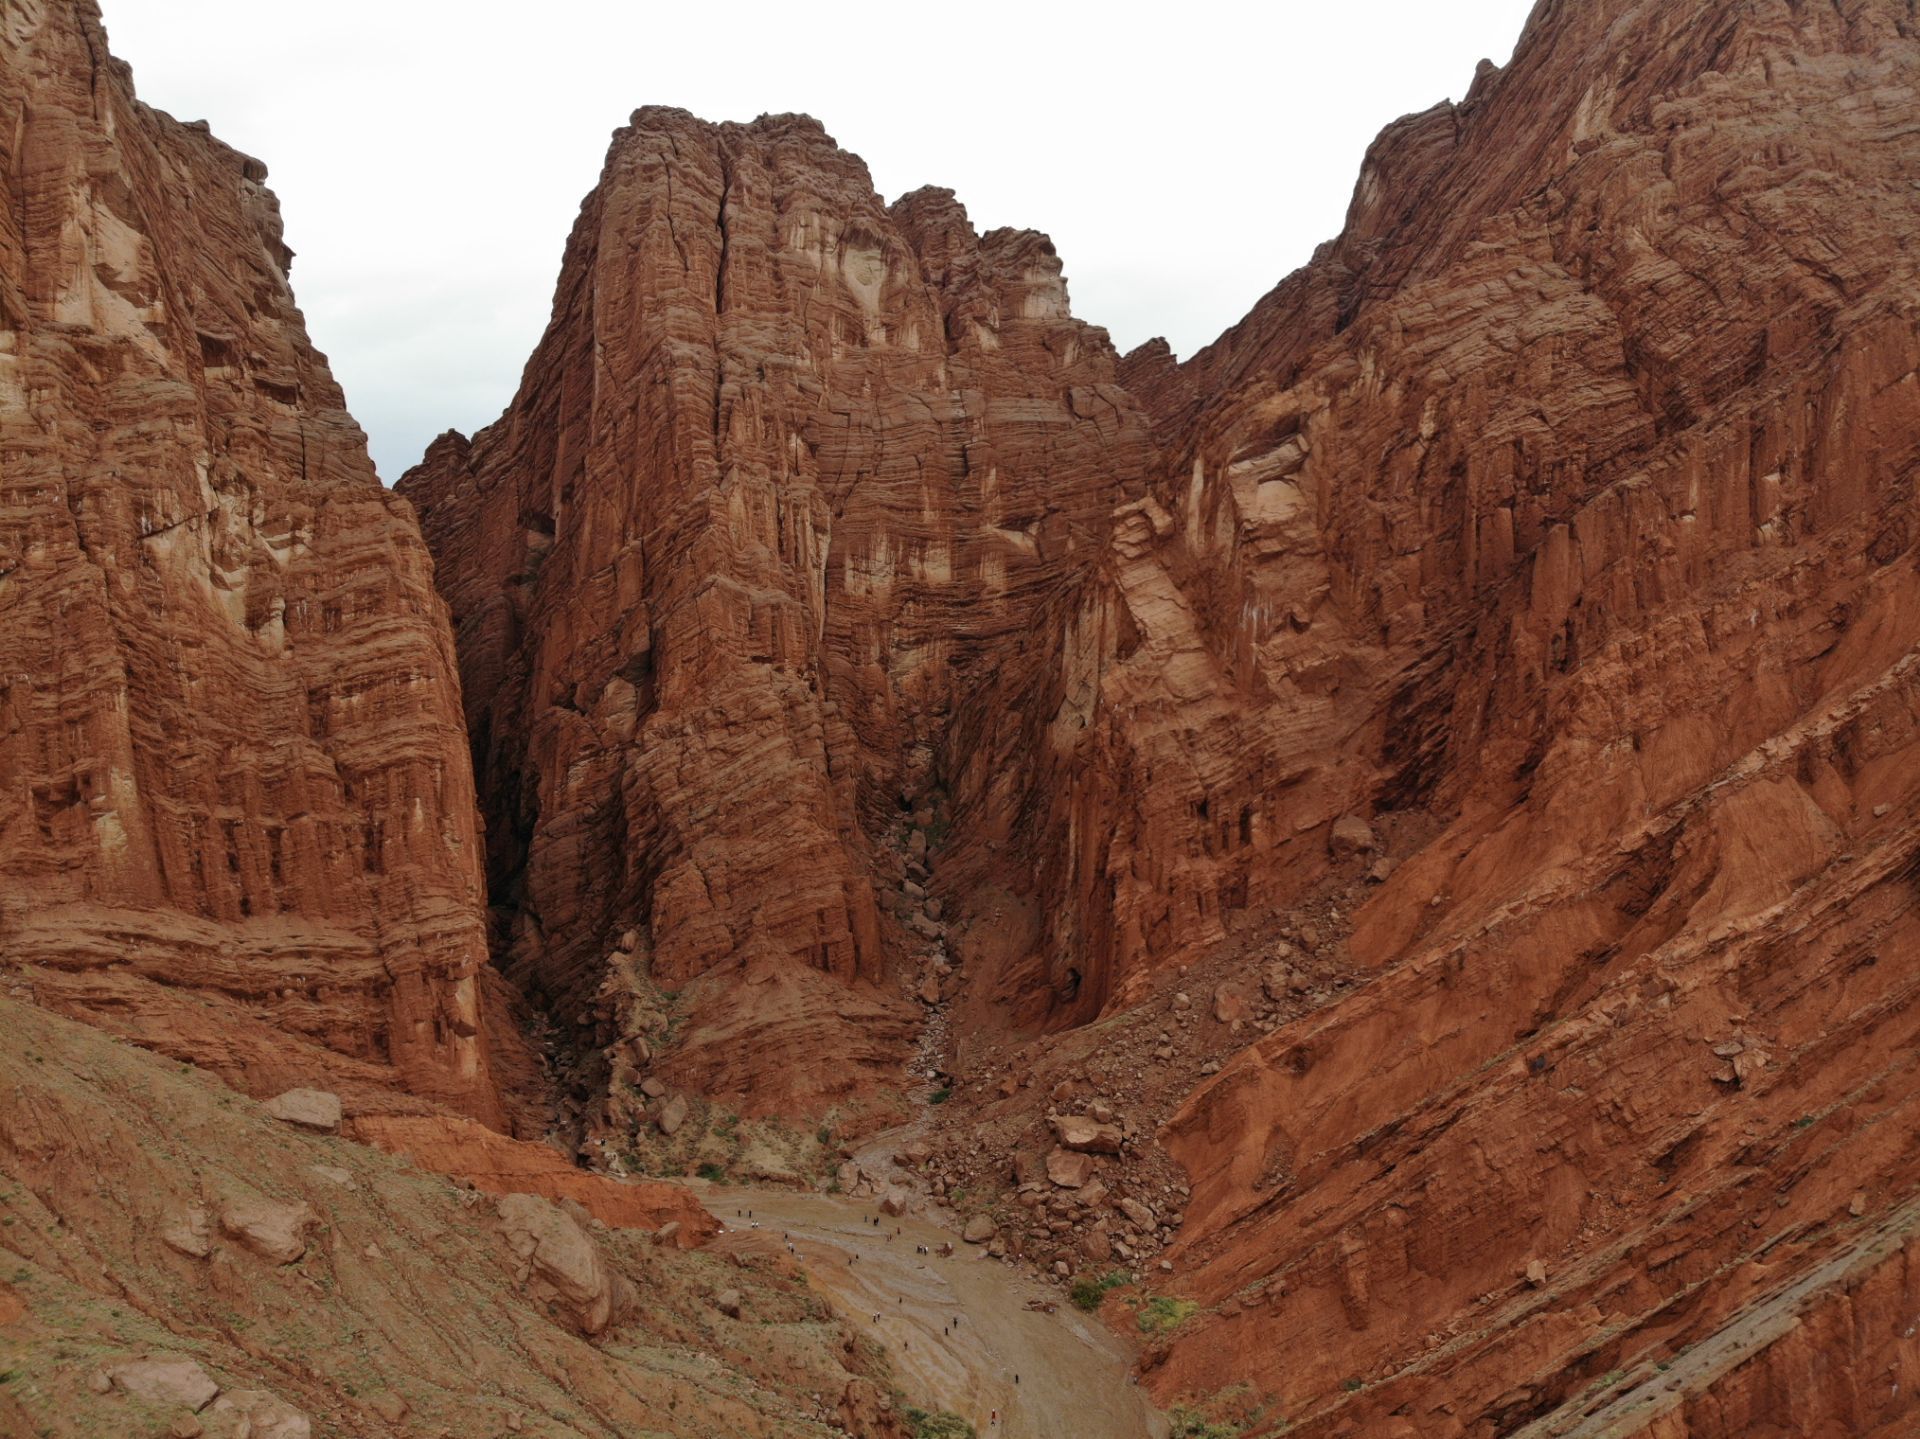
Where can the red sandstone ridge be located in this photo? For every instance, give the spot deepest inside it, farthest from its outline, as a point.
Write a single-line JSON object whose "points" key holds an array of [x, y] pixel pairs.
{"points": [[1581, 468], [792, 483], [239, 822], [1516, 612], [501, 1165], [1489, 669]]}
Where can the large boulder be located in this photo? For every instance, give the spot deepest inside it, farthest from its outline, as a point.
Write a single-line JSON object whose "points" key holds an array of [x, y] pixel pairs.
{"points": [[672, 1115], [1233, 1002], [1079, 1132], [313, 1109], [560, 1262], [1068, 1169], [164, 1379], [1351, 835], [256, 1414], [1278, 980], [867, 1411], [190, 1231], [275, 1231]]}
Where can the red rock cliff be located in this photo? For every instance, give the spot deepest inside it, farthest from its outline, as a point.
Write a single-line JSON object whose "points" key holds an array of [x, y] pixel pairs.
{"points": [[1576, 477], [238, 809], [793, 480], [1516, 612]]}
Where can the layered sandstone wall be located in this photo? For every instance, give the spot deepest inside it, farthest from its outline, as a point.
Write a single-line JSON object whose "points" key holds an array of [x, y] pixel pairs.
{"points": [[1580, 468], [238, 822], [792, 486], [1588, 337], [829, 597]]}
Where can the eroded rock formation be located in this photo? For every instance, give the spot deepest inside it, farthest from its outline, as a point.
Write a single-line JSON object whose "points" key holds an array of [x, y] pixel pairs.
{"points": [[793, 483], [1516, 611], [1597, 430], [238, 821], [1458, 734]]}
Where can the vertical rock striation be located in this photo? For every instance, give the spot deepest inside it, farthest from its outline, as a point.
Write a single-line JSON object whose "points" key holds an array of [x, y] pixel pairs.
{"points": [[793, 485], [238, 822], [1580, 468]]}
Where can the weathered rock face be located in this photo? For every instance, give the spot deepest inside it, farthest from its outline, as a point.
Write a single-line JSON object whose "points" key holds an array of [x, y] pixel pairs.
{"points": [[238, 821], [1516, 611], [1575, 482], [792, 485]]}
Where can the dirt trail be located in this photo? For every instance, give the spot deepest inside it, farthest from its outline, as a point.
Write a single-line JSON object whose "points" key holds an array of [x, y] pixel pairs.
{"points": [[1073, 1373]]}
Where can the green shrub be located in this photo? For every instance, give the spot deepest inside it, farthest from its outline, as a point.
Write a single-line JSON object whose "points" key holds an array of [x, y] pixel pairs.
{"points": [[1192, 1424], [1089, 1292], [943, 1425], [1163, 1312]]}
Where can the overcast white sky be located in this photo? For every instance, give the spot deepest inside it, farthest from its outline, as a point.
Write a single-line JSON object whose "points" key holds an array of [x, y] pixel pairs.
{"points": [[430, 155]]}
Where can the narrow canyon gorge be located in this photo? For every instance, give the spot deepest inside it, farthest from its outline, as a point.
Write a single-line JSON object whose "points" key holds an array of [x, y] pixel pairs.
{"points": [[1359, 883]]}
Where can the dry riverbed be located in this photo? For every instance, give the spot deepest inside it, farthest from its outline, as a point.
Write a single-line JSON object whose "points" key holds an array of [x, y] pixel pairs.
{"points": [[957, 1329]]}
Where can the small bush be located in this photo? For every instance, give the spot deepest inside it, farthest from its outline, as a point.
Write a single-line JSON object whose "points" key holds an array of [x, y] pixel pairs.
{"points": [[943, 1425], [1089, 1292], [1192, 1424], [1163, 1313], [712, 1171], [940, 1096]]}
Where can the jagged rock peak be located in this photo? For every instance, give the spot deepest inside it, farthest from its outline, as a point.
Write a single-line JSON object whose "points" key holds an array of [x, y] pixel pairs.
{"points": [[817, 463]]}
